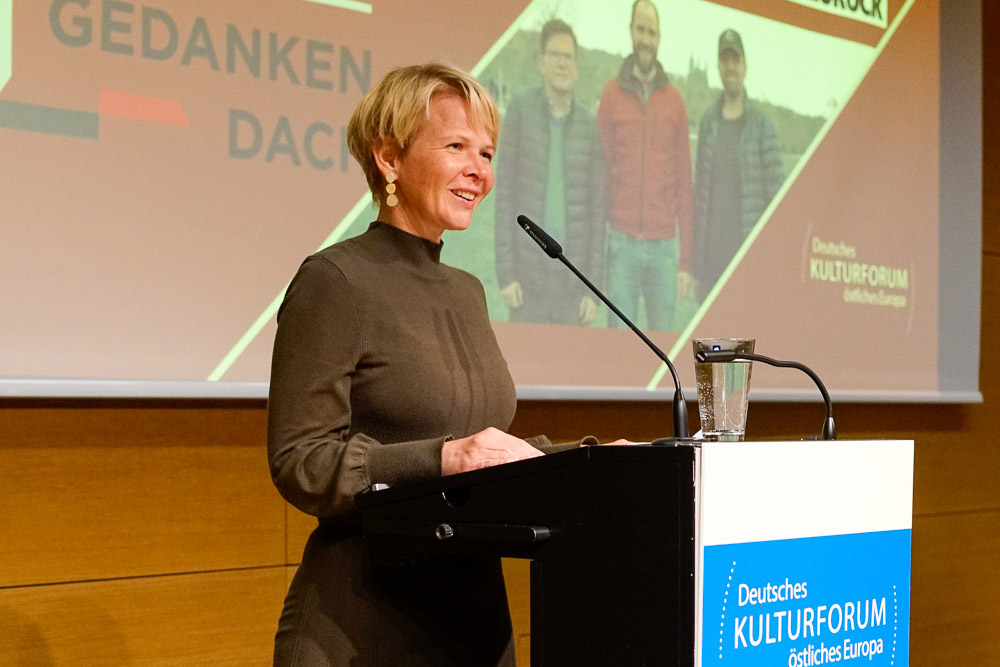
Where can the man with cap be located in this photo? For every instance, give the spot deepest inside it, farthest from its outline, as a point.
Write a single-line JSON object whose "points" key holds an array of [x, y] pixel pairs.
{"points": [[738, 169], [647, 158]]}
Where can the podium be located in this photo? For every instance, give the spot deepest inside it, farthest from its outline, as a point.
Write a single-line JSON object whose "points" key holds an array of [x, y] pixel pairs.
{"points": [[708, 554]]}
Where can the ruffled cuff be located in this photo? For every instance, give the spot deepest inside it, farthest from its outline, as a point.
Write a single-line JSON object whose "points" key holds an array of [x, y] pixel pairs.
{"points": [[404, 462]]}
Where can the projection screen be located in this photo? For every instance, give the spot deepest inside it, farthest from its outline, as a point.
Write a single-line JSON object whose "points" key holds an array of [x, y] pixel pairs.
{"points": [[166, 166]]}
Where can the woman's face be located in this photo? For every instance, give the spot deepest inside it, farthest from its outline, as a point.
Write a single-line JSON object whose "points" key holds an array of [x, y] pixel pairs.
{"points": [[444, 173]]}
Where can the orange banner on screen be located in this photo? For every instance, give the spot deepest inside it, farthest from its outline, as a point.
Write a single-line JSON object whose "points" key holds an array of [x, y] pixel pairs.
{"points": [[862, 21]]}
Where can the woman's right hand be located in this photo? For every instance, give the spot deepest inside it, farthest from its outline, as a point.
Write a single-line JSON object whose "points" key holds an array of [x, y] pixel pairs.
{"points": [[487, 448]]}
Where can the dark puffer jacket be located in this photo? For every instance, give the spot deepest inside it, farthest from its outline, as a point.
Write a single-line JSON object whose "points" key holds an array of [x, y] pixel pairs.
{"points": [[761, 172], [521, 182]]}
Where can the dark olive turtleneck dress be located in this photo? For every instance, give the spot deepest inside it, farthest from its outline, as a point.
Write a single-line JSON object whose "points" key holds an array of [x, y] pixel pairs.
{"points": [[381, 354]]}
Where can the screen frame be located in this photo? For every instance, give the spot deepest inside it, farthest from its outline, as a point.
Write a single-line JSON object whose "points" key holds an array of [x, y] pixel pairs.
{"points": [[959, 284]]}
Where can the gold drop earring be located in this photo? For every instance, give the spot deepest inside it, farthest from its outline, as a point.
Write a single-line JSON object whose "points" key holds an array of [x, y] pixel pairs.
{"points": [[390, 189]]}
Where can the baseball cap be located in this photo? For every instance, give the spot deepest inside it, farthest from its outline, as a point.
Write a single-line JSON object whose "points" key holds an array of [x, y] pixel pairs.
{"points": [[730, 39]]}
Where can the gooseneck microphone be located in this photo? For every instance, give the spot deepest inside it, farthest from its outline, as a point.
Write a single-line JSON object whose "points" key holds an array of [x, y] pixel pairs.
{"points": [[726, 356], [554, 250]]}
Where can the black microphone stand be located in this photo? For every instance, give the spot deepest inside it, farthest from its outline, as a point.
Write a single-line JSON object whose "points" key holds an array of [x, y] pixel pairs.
{"points": [[554, 250], [725, 356]]}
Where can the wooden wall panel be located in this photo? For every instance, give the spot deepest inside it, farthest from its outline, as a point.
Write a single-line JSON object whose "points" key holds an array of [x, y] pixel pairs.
{"points": [[76, 513], [954, 589], [54, 423], [224, 618], [517, 575], [103, 489]]}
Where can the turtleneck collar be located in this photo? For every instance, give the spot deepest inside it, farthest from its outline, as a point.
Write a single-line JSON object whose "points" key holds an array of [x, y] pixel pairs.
{"points": [[416, 251]]}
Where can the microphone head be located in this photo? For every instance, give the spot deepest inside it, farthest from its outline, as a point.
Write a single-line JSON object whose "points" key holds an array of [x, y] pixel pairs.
{"points": [[541, 237]]}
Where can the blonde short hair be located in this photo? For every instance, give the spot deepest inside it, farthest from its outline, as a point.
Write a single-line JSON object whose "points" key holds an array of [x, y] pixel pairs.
{"points": [[397, 106]]}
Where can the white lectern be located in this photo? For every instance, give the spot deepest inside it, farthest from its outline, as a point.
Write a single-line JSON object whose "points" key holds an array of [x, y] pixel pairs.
{"points": [[716, 554], [803, 554]]}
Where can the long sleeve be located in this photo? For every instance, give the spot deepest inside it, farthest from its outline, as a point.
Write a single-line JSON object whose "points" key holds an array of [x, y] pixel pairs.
{"points": [[316, 462]]}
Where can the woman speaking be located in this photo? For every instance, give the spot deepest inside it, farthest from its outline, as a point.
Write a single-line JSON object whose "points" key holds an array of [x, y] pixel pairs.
{"points": [[386, 370]]}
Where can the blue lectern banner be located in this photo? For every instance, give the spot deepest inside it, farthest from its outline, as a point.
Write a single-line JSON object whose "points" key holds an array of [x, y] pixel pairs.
{"points": [[808, 601]]}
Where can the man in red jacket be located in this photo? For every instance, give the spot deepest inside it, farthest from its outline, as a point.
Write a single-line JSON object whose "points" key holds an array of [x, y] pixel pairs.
{"points": [[647, 158]]}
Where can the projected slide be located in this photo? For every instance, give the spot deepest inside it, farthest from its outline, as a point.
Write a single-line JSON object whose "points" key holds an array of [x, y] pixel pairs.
{"points": [[165, 167]]}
